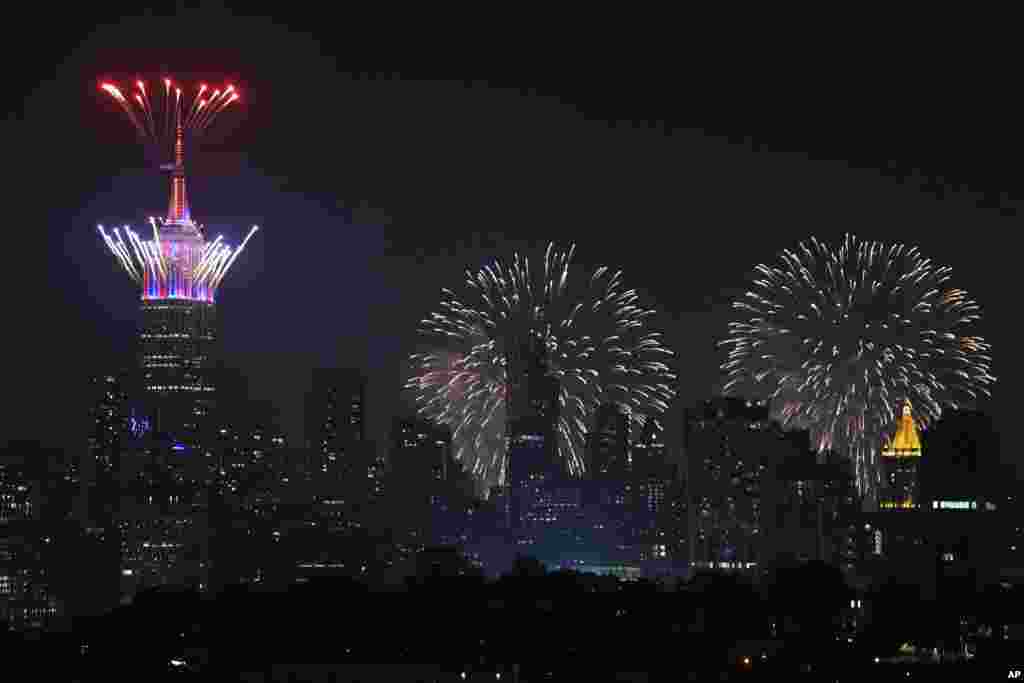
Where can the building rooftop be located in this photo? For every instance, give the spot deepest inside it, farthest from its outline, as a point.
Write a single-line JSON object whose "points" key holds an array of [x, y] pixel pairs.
{"points": [[906, 442]]}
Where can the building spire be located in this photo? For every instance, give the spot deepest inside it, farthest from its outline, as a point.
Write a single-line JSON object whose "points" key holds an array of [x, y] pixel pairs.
{"points": [[906, 442], [178, 211]]}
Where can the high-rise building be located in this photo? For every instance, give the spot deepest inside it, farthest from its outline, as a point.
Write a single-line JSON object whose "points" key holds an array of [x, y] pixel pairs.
{"points": [[33, 506], [111, 423], [611, 490], [154, 466], [608, 445], [728, 443], [26, 596], [179, 273], [654, 478], [651, 471], [425, 446], [163, 517], [963, 459], [812, 507], [532, 413], [901, 462], [177, 344], [19, 497], [335, 418], [421, 464]]}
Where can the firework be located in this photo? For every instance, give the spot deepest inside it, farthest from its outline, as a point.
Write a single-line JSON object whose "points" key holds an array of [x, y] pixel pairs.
{"points": [[173, 269], [160, 116], [838, 340], [592, 334]]}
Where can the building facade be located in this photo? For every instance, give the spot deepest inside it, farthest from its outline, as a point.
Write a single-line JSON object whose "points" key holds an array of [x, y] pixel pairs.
{"points": [[729, 443], [901, 466], [177, 342], [335, 418]]}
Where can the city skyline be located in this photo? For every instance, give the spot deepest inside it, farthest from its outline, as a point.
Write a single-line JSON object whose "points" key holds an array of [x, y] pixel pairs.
{"points": [[343, 210], [636, 439]]}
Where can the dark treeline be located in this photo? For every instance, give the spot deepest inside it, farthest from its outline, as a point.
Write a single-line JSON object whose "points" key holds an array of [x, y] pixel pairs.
{"points": [[528, 624]]}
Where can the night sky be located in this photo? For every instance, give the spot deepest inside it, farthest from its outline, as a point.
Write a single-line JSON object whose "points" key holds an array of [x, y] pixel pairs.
{"points": [[375, 191]]}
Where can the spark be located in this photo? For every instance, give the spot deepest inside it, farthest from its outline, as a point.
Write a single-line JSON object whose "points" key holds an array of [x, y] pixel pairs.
{"points": [[185, 271], [193, 116]]}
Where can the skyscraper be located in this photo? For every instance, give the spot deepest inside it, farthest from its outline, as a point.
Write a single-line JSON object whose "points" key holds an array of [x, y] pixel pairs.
{"points": [[179, 273], [435, 493], [611, 488], [653, 478], [901, 461], [335, 419], [110, 427], [423, 450], [963, 461], [33, 531], [812, 507], [608, 445], [728, 442], [531, 418], [157, 514]]}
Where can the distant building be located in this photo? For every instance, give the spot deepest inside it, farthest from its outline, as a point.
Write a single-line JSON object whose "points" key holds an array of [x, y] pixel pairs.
{"points": [[163, 517], [532, 415], [728, 444], [608, 445], [901, 466], [962, 463], [108, 433], [425, 446], [944, 504], [148, 474], [656, 530], [813, 508], [335, 417], [19, 495], [612, 497], [27, 599], [422, 473], [30, 536]]}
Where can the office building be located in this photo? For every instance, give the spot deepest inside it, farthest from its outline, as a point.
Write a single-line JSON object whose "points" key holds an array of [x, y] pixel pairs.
{"points": [[335, 418]]}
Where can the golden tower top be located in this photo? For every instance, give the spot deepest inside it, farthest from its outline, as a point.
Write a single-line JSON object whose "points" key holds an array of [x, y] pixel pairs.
{"points": [[906, 442]]}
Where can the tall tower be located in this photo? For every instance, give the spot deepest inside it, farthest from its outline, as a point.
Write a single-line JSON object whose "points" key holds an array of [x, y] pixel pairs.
{"points": [[335, 408], [901, 459], [178, 270], [530, 428], [609, 447]]}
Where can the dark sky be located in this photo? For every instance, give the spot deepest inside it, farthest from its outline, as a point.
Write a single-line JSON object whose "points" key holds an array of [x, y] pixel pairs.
{"points": [[375, 191]]}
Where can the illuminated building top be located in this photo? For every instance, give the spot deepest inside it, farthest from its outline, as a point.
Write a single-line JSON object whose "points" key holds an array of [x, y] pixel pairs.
{"points": [[178, 263], [906, 442]]}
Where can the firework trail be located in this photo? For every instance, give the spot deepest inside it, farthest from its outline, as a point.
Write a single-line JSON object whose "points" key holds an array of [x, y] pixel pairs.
{"points": [[838, 340], [178, 263], [178, 271], [159, 117], [593, 336]]}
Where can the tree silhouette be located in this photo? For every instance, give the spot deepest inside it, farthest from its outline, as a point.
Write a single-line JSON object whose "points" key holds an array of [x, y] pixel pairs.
{"points": [[808, 603]]}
